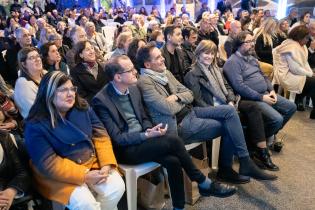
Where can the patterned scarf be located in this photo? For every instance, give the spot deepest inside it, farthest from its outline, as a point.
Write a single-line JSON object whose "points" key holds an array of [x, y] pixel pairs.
{"points": [[215, 78], [156, 76]]}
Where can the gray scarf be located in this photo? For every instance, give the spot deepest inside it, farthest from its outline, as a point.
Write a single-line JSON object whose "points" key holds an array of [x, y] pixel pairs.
{"points": [[156, 76], [215, 78]]}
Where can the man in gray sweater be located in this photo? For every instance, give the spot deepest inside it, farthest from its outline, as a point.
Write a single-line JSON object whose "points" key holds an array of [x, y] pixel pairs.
{"points": [[246, 78]]}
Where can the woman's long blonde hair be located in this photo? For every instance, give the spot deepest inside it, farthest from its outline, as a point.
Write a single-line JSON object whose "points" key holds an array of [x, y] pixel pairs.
{"points": [[268, 29]]}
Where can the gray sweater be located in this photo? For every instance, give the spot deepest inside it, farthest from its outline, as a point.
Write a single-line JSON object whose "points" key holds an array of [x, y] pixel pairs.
{"points": [[246, 77]]}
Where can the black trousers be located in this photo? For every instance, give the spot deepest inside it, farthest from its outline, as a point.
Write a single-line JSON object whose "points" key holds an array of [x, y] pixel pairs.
{"points": [[251, 116], [170, 152], [308, 90]]}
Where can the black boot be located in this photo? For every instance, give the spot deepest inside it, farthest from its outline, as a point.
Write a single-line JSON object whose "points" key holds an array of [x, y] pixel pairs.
{"points": [[263, 160], [227, 174], [312, 116], [249, 168]]}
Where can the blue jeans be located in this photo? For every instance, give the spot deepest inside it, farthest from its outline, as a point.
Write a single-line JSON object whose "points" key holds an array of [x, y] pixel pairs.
{"points": [[205, 123], [277, 115]]}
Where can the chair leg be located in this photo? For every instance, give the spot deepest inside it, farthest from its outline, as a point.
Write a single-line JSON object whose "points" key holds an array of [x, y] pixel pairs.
{"points": [[131, 188], [215, 153]]}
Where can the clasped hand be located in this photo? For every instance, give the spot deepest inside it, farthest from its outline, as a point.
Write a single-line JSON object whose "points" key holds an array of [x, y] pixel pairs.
{"points": [[270, 98], [97, 176]]}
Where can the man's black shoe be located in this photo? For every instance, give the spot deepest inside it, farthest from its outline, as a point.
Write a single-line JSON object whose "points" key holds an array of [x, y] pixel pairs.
{"points": [[218, 190], [231, 176], [249, 168], [263, 160]]}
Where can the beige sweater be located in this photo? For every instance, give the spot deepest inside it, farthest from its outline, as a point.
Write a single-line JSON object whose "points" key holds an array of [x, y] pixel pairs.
{"points": [[291, 66]]}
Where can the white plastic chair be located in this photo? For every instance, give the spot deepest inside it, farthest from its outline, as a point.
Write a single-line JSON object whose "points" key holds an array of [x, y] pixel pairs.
{"points": [[132, 173], [215, 153]]}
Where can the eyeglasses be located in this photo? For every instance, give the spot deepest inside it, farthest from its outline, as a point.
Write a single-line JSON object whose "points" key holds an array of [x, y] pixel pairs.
{"points": [[73, 89], [33, 57], [131, 70], [249, 41]]}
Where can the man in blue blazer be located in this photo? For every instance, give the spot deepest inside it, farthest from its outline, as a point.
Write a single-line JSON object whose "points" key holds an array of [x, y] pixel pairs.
{"points": [[119, 106]]}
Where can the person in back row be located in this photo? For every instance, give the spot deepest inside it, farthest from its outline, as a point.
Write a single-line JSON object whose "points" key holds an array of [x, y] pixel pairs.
{"points": [[135, 140], [169, 102]]}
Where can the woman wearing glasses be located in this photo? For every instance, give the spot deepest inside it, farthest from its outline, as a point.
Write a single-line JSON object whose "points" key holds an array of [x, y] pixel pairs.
{"points": [[88, 75], [31, 73], [72, 157]]}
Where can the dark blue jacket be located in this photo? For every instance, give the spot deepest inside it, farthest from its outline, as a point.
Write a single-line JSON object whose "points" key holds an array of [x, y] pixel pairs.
{"points": [[108, 110]]}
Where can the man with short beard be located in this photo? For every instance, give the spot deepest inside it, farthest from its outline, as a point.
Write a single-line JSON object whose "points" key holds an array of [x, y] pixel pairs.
{"points": [[190, 35], [246, 78], [174, 56]]}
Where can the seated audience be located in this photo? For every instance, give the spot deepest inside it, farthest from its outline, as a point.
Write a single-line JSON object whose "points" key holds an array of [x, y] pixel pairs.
{"points": [[235, 29], [77, 34], [266, 40], [158, 37], [71, 153], [88, 74], [169, 102], [8, 114], [246, 78], [292, 16], [206, 31], [31, 73], [135, 140], [138, 31], [292, 70], [62, 48], [282, 30], [96, 39], [52, 59], [304, 20], [23, 39], [133, 48], [122, 44], [14, 178], [173, 55], [190, 35], [210, 88]]}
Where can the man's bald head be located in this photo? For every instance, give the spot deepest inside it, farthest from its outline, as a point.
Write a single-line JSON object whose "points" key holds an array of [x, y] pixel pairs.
{"points": [[236, 28]]}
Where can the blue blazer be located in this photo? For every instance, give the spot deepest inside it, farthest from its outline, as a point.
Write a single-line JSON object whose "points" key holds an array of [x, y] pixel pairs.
{"points": [[113, 118], [71, 138]]}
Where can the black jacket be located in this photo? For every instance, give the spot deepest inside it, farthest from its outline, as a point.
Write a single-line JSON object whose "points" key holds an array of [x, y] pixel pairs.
{"points": [[87, 85], [183, 63], [213, 36], [12, 171], [203, 92], [189, 54], [12, 64], [264, 52]]}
